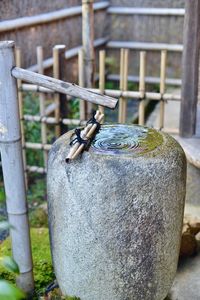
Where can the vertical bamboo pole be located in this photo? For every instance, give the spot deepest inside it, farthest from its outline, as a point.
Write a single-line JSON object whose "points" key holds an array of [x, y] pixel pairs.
{"points": [[102, 54], [162, 86], [82, 103], [123, 84], [58, 54], [13, 172], [40, 59], [20, 99], [88, 45], [142, 87]]}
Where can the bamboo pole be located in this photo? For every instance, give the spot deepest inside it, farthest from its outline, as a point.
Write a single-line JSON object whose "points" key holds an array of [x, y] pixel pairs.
{"points": [[63, 87], [102, 55], [52, 120], [40, 59], [120, 117], [88, 46], [123, 84], [60, 99], [20, 99], [142, 87], [13, 171], [162, 86], [115, 93], [81, 82]]}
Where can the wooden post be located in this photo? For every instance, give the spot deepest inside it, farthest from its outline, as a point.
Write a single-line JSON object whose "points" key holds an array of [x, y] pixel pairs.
{"points": [[190, 68], [12, 163], [60, 99], [88, 45]]}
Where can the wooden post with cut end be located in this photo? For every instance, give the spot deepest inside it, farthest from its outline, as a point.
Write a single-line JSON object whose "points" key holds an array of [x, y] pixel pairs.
{"points": [[88, 46], [190, 68], [13, 171]]}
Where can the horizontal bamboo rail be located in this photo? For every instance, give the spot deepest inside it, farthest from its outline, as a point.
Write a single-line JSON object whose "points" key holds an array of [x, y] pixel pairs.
{"points": [[148, 79], [49, 17], [47, 63], [146, 11], [52, 120], [144, 46], [63, 87]]}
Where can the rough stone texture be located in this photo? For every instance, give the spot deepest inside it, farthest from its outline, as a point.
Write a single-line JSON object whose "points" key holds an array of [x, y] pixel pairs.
{"points": [[116, 220]]}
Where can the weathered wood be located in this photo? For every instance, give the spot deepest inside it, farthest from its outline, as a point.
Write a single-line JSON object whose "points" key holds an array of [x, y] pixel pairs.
{"points": [[141, 118], [47, 17], [63, 87], [190, 69], [13, 171]]}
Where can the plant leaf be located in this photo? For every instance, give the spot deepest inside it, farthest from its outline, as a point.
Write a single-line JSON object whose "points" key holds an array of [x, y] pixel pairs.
{"points": [[10, 292], [9, 264]]}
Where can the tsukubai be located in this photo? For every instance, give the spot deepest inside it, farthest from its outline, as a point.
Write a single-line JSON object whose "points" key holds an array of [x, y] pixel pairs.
{"points": [[115, 214]]}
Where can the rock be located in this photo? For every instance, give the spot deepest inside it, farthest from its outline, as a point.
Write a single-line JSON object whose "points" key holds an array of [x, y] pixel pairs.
{"points": [[115, 214], [189, 244]]}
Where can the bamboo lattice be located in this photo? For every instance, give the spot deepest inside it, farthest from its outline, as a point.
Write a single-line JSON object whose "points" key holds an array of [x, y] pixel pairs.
{"points": [[51, 114]]}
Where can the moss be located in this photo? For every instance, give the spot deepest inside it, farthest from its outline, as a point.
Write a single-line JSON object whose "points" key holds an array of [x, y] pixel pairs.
{"points": [[43, 270]]}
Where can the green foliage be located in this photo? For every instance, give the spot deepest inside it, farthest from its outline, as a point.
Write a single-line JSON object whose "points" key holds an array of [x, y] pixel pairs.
{"points": [[2, 194], [43, 270], [9, 292], [9, 264]]}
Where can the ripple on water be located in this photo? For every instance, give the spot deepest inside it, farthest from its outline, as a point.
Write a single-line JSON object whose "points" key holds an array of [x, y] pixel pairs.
{"points": [[126, 139]]}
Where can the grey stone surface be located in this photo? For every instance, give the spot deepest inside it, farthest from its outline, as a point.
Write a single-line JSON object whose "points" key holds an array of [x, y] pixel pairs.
{"points": [[115, 215]]}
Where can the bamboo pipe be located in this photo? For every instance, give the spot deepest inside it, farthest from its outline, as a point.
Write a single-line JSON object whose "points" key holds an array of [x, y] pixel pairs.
{"points": [[63, 87], [88, 136], [142, 87], [84, 132], [13, 170]]}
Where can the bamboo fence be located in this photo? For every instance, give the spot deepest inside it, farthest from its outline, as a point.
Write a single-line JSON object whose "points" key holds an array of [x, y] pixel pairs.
{"points": [[51, 114]]}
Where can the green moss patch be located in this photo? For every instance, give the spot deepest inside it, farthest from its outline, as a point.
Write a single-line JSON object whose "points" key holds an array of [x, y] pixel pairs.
{"points": [[43, 270]]}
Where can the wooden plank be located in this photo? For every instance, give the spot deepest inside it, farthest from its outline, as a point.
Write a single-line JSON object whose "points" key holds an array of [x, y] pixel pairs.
{"points": [[47, 17], [190, 69], [64, 87]]}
